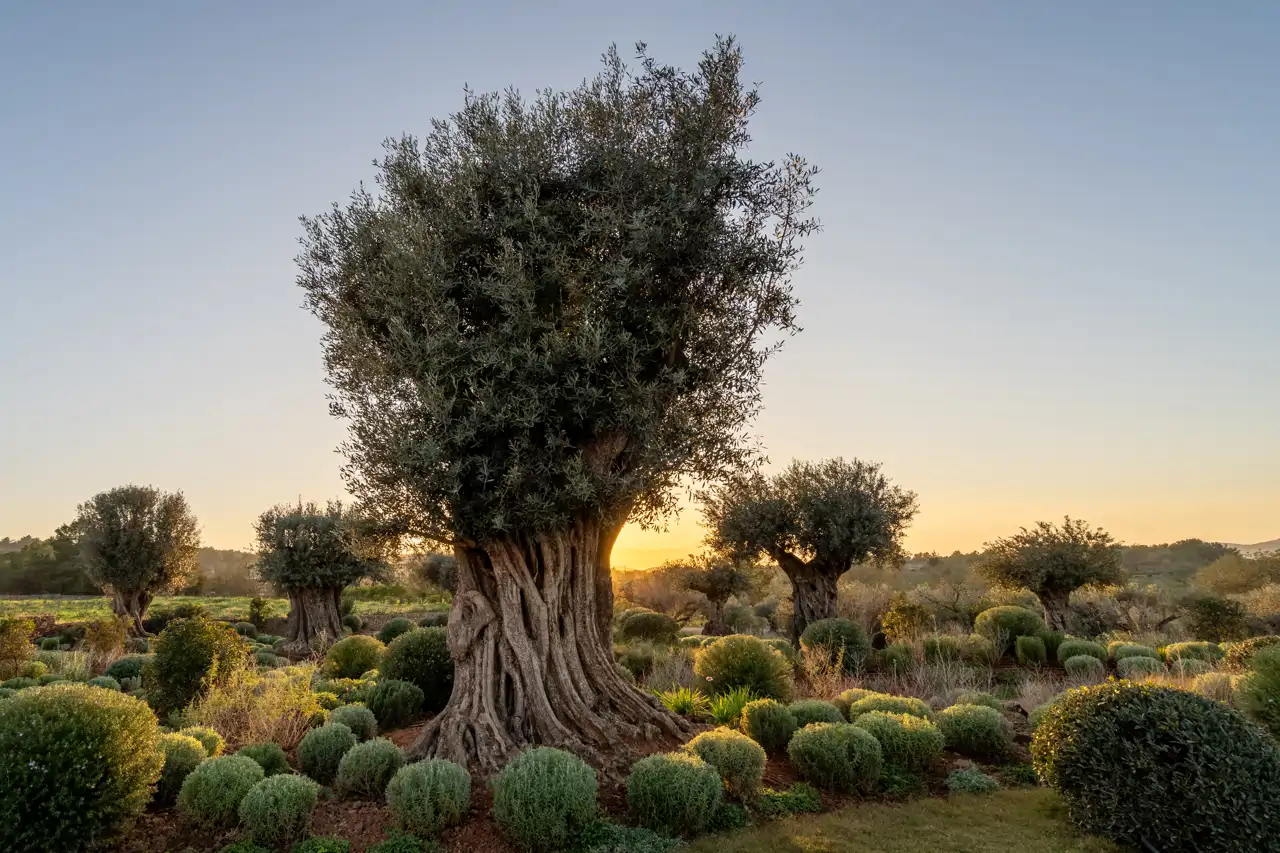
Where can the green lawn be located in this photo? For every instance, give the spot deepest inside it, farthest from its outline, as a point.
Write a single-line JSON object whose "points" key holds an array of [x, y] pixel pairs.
{"points": [[1024, 819], [219, 607]]}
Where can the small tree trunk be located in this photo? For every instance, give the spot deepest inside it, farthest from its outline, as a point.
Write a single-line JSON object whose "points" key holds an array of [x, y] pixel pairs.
{"points": [[813, 592], [313, 619], [716, 626], [1054, 602], [531, 665], [131, 606]]}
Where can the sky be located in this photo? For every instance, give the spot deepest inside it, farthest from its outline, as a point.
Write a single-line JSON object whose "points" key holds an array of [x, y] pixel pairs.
{"points": [[1046, 282]]}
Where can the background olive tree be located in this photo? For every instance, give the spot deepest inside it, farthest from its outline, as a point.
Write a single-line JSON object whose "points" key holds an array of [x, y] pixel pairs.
{"points": [[135, 542], [550, 314], [817, 520], [717, 578]]}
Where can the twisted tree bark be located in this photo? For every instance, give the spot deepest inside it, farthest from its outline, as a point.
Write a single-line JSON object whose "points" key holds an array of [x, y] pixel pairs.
{"points": [[313, 615], [813, 592], [131, 606]]}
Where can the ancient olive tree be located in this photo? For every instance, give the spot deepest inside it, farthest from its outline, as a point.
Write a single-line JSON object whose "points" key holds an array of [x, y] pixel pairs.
{"points": [[1053, 561], [717, 578], [134, 542], [816, 520], [313, 554], [551, 313]]}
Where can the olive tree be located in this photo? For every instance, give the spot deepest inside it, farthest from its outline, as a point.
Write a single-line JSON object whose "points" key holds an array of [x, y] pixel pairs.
{"points": [[549, 314], [1053, 561], [135, 542], [717, 578], [816, 520], [313, 554]]}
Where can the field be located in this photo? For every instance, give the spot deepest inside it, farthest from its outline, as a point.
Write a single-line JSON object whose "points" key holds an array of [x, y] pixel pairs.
{"points": [[80, 609]]}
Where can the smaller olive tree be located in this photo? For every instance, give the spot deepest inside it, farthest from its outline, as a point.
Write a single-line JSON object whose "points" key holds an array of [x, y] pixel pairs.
{"points": [[313, 554], [1053, 561], [717, 578], [135, 542]]}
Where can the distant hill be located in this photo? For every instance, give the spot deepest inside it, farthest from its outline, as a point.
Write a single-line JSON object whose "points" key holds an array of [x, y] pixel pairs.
{"points": [[1258, 547]]}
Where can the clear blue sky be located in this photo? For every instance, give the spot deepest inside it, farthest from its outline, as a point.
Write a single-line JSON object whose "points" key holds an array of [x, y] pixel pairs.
{"points": [[1049, 279]]}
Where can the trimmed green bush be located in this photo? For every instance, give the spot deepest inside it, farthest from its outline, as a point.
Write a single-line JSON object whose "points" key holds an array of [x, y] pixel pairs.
{"points": [[182, 754], [212, 742], [838, 638], [278, 809], [544, 798], [836, 755], [808, 711], [429, 796], [321, 750], [740, 660], [6, 692], [1003, 625], [695, 641], [848, 697], [106, 682], [977, 697], [352, 622], [890, 705], [676, 793], [421, 657], [1084, 666], [395, 628], [604, 837], [50, 644], [941, 648], [366, 768], [1138, 667], [1258, 692], [976, 731], [353, 656], [977, 650], [971, 780], [800, 798], [436, 619], [270, 757], [404, 844], [1140, 761], [784, 647], [1031, 651], [394, 703], [769, 723], [327, 844], [356, 717], [1052, 640], [76, 767], [897, 658], [129, 666], [49, 678], [210, 795], [192, 656], [650, 626], [907, 742], [246, 629], [19, 683], [1131, 650], [1207, 652], [1074, 648], [1238, 655], [737, 758]]}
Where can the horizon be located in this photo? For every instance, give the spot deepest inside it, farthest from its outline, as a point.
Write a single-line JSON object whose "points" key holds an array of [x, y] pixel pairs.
{"points": [[1045, 284]]}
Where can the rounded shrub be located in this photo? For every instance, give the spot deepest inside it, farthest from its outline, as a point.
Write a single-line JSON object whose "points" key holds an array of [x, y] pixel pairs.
{"points": [[1238, 655], [366, 768], [270, 757], [675, 794], [6, 692], [246, 629], [1258, 692], [129, 666], [1084, 666], [50, 644], [212, 742], [908, 743], [1004, 624], [33, 669], [848, 697], [971, 780], [743, 661], [182, 754], [350, 657], [327, 844], [650, 626], [737, 758], [422, 657], [1131, 650], [395, 628], [394, 703], [356, 717], [428, 796], [320, 751], [1052, 640], [436, 619], [784, 648], [267, 659], [1139, 667], [808, 711], [841, 639], [192, 656], [352, 622], [48, 678], [837, 756], [941, 648], [1075, 648], [976, 731], [976, 697], [544, 798], [769, 723], [106, 682], [1143, 762], [897, 658], [210, 795], [977, 650], [78, 765], [890, 705], [19, 683], [1031, 651], [278, 809]]}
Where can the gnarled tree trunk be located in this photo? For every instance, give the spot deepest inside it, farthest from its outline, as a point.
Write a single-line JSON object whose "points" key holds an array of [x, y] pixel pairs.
{"points": [[716, 626], [813, 592], [532, 659], [1054, 602], [131, 606], [313, 618]]}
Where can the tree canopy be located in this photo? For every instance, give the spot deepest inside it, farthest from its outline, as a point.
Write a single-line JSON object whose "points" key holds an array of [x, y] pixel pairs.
{"points": [[306, 546]]}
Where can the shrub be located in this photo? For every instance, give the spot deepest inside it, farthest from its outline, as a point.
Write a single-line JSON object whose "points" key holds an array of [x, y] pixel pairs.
{"points": [[422, 657], [356, 717], [48, 678], [971, 780], [352, 622], [808, 711], [350, 657], [544, 798], [726, 709], [898, 658], [428, 796], [6, 692], [1052, 640], [1084, 666], [841, 639], [1075, 648], [243, 847], [976, 731], [394, 703], [1131, 650], [836, 755], [1258, 693], [1140, 761], [977, 650], [277, 706], [1207, 652], [977, 697], [404, 844], [740, 660], [848, 697], [395, 628], [650, 626], [1218, 686], [270, 757], [78, 765], [675, 794], [1017, 775], [212, 742], [191, 657], [129, 666], [366, 768], [267, 659], [438, 619], [211, 793], [246, 629], [182, 754], [737, 758], [19, 683], [321, 751], [769, 723], [784, 648], [1031, 651], [278, 809], [104, 681], [684, 701], [908, 743], [1003, 625], [1237, 655], [696, 641], [800, 798], [941, 649], [602, 837], [636, 657], [327, 844], [1138, 667], [889, 705], [50, 644]]}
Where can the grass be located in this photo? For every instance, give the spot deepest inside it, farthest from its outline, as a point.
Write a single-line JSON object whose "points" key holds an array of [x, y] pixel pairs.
{"points": [[1009, 820], [80, 609]]}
